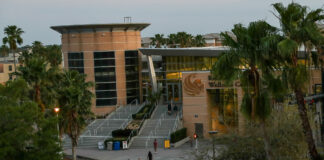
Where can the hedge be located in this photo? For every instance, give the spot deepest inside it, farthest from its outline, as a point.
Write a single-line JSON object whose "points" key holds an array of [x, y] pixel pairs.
{"points": [[121, 132], [141, 113], [178, 135]]}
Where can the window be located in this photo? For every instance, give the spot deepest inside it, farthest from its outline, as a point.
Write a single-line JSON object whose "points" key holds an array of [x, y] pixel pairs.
{"points": [[105, 77], [132, 75], [10, 67], [75, 61]]}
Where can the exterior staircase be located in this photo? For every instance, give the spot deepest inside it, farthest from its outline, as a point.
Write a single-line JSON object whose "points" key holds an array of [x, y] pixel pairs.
{"points": [[100, 129], [158, 127]]}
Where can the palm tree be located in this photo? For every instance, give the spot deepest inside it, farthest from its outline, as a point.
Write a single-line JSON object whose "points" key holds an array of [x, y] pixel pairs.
{"points": [[4, 51], [184, 39], [250, 59], [199, 41], [75, 103], [13, 38], [158, 40], [172, 40], [299, 27]]}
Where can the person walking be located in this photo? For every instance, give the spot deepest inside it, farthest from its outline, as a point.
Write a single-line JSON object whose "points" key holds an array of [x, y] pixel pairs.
{"points": [[175, 109], [155, 145], [169, 109], [150, 156]]}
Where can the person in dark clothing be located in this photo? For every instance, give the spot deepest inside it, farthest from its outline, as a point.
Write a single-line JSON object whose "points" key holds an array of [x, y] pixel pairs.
{"points": [[175, 109], [150, 156], [169, 109]]}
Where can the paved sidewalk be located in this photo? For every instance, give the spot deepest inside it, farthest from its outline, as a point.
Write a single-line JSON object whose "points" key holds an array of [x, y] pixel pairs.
{"points": [[182, 153]]}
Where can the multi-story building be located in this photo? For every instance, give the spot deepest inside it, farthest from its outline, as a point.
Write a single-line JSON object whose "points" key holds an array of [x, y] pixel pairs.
{"points": [[6, 67], [108, 55]]}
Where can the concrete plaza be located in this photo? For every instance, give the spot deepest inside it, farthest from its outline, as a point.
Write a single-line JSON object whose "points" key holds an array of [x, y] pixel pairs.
{"points": [[184, 152]]}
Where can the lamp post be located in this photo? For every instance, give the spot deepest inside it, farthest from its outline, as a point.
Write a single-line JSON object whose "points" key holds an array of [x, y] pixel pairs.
{"points": [[57, 110], [213, 133]]}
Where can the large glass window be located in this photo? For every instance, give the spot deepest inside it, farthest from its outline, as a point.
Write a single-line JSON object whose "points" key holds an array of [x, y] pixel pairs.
{"points": [[105, 77], [132, 75], [75, 61]]}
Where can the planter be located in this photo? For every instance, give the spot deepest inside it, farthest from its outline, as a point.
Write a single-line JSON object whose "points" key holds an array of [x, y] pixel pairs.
{"points": [[181, 142]]}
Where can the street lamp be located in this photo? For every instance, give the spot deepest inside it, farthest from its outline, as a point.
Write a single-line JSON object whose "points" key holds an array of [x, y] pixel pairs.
{"points": [[213, 133], [57, 110]]}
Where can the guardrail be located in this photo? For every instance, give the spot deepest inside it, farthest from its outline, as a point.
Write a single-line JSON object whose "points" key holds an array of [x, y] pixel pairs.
{"points": [[142, 121]]}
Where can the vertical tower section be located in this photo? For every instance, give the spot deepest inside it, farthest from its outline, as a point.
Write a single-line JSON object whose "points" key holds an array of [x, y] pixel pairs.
{"points": [[108, 55]]}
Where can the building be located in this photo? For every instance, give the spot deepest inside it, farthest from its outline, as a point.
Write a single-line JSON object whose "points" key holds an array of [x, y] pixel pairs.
{"points": [[6, 67], [108, 55], [183, 75]]}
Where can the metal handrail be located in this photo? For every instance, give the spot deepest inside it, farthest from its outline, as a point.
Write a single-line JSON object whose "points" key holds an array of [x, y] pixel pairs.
{"points": [[142, 121]]}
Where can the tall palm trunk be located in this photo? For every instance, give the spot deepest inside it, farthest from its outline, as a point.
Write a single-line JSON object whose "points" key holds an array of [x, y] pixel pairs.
{"points": [[306, 126], [266, 141], [38, 98], [73, 150], [14, 54]]}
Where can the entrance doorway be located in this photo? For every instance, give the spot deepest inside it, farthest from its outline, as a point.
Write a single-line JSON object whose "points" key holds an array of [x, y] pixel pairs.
{"points": [[199, 130], [173, 92]]}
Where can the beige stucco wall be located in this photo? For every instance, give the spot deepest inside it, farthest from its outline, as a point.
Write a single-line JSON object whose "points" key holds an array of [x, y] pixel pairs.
{"points": [[88, 42], [4, 71]]}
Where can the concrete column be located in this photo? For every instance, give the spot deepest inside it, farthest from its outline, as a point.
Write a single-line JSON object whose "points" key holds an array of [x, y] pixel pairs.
{"points": [[152, 73]]}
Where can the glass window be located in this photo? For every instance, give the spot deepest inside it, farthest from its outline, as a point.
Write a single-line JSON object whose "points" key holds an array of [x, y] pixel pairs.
{"points": [[10, 67], [75, 61], [105, 77], [132, 75]]}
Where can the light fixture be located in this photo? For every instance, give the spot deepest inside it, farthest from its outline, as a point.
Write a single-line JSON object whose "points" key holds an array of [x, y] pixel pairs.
{"points": [[56, 109]]}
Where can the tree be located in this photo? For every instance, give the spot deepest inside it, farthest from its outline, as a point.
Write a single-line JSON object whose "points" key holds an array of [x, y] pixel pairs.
{"points": [[75, 104], [24, 132], [184, 39], [172, 40], [4, 51], [251, 60], [198, 41], [13, 38], [40, 70], [158, 40], [298, 26]]}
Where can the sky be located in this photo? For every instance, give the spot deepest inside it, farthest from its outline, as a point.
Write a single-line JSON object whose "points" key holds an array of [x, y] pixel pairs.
{"points": [[165, 16]]}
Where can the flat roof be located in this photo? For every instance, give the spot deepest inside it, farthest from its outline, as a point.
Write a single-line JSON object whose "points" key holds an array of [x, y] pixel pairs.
{"points": [[195, 51], [100, 27]]}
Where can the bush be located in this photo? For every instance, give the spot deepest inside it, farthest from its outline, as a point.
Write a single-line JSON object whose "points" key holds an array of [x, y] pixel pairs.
{"points": [[178, 135], [141, 113], [121, 133]]}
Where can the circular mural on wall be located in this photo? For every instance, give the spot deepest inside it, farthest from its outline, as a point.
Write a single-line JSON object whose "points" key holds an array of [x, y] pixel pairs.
{"points": [[193, 86]]}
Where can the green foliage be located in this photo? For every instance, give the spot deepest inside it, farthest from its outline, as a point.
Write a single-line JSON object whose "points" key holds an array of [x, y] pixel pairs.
{"points": [[146, 110], [241, 147], [75, 103], [121, 133], [263, 108], [178, 135], [286, 139], [179, 39], [24, 131], [287, 47], [13, 38], [246, 106], [296, 77]]}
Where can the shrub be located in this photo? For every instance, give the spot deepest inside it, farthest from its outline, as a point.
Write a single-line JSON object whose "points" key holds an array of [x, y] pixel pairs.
{"points": [[178, 135], [141, 113], [121, 133]]}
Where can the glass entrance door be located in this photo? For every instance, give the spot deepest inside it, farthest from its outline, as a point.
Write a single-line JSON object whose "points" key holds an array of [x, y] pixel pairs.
{"points": [[173, 92]]}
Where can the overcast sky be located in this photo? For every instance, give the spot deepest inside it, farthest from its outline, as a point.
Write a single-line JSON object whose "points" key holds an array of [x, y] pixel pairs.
{"points": [[166, 16]]}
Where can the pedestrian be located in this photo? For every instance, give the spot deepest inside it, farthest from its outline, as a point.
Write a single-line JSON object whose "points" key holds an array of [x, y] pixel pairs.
{"points": [[169, 109], [155, 145], [175, 109], [150, 156]]}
